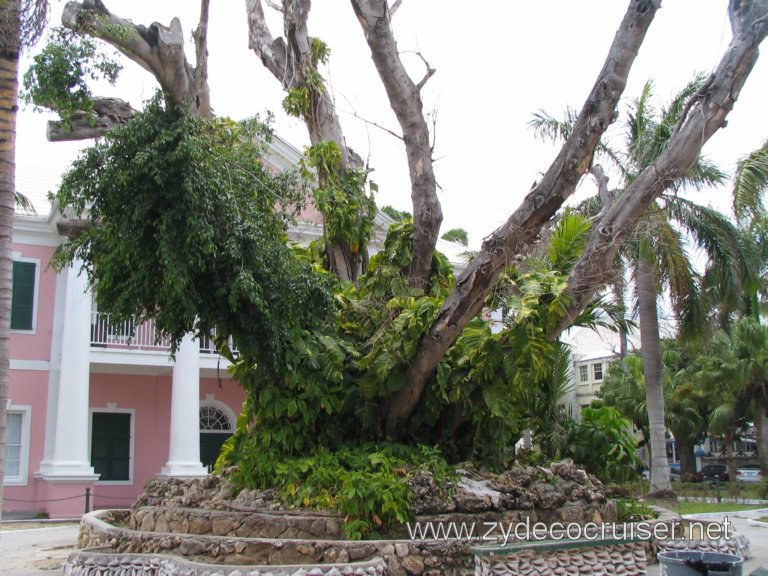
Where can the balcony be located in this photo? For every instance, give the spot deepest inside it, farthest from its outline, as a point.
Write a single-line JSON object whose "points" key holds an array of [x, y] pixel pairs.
{"points": [[137, 336]]}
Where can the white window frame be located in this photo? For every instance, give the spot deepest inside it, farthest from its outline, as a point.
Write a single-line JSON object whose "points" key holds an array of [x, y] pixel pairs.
{"points": [[594, 371], [17, 257], [583, 373], [131, 454], [26, 420]]}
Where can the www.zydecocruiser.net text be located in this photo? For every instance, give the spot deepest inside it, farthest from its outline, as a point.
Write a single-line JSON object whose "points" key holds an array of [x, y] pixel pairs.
{"points": [[503, 533]]}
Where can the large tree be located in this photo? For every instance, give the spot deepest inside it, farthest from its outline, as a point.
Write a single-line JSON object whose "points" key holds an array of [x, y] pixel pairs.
{"points": [[21, 22], [442, 325]]}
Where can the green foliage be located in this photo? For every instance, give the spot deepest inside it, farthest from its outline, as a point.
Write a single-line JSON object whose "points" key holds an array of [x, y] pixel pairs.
{"points": [[366, 483], [396, 214], [57, 78], [188, 234], [320, 51], [348, 211], [298, 102], [632, 510], [602, 442], [457, 235]]}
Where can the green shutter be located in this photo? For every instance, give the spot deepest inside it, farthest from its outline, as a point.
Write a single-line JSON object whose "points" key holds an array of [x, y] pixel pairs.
{"points": [[111, 445], [23, 302]]}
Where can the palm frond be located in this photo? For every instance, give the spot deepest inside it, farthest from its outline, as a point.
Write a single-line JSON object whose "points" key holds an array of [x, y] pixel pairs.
{"points": [[749, 184], [704, 174], [24, 204], [670, 115], [548, 128], [567, 240]]}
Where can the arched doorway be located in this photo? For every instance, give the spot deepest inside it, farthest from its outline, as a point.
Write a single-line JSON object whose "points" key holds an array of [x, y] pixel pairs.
{"points": [[215, 427]]}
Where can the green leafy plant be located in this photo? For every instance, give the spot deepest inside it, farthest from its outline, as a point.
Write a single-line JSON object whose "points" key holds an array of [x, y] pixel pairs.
{"points": [[58, 77], [602, 442]]}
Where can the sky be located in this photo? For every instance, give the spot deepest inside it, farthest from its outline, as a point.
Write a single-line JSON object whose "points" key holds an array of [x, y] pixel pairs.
{"points": [[497, 63]]}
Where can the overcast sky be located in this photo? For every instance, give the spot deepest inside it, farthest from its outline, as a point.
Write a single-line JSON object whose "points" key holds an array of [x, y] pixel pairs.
{"points": [[497, 63]]}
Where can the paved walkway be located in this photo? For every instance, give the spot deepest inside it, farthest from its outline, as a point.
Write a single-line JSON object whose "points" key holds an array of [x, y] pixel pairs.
{"points": [[26, 551], [35, 551]]}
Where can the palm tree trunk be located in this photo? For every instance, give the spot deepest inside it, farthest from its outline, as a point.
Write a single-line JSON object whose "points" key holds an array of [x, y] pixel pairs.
{"points": [[761, 431], [687, 457], [9, 97], [728, 441], [621, 309], [650, 343]]}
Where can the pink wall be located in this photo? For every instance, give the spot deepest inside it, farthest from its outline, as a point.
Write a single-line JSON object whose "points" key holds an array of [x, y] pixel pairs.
{"points": [[150, 397], [227, 391], [29, 388], [37, 346]]}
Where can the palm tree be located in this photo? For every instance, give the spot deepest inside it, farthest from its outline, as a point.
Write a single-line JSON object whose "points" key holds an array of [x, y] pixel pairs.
{"points": [[21, 22], [723, 374], [655, 250], [624, 389]]}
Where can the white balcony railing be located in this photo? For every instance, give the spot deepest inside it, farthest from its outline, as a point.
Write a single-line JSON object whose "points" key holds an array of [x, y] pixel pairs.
{"points": [[136, 335]]}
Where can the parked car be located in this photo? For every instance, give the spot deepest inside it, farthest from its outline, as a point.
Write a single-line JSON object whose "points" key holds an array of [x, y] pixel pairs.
{"points": [[713, 473], [749, 473], [674, 472]]}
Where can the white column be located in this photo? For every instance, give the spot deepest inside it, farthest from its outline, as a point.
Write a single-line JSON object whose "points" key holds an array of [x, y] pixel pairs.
{"points": [[184, 445], [68, 459]]}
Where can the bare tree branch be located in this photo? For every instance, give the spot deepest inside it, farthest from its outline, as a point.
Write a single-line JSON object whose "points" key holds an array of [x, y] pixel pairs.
{"points": [[290, 60], [158, 49], [107, 113], [524, 225], [708, 114], [376, 125], [200, 36], [405, 100]]}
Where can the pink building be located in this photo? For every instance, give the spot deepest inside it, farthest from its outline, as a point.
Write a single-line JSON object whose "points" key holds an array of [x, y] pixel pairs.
{"points": [[102, 407], [98, 407]]}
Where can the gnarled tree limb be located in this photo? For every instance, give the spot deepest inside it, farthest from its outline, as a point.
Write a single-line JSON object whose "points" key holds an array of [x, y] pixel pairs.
{"points": [[158, 49], [107, 113], [289, 59], [541, 203], [405, 100], [749, 21]]}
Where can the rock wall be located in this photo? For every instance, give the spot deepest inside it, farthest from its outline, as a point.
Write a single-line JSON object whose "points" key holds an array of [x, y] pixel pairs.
{"points": [[104, 563]]}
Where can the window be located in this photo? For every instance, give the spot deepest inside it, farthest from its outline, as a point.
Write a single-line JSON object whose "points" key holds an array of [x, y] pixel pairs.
{"points": [[111, 446], [583, 373], [23, 299], [215, 427], [17, 445], [597, 371]]}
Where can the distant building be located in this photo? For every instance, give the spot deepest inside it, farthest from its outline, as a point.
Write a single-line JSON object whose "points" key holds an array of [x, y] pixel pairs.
{"points": [[592, 351]]}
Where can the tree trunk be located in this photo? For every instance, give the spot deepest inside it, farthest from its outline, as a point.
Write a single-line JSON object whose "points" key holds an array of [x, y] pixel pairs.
{"points": [[650, 344], [761, 431], [290, 60], [524, 225], [405, 99], [728, 445], [621, 308], [686, 455], [9, 94]]}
